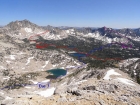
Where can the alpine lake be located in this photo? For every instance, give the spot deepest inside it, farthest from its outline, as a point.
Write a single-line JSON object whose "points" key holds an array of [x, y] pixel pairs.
{"points": [[57, 72]]}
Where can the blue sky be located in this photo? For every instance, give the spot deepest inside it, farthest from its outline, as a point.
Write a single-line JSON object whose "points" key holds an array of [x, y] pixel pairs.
{"points": [[82, 13]]}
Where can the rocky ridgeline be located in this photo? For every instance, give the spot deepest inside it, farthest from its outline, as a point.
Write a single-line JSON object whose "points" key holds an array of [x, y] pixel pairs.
{"points": [[99, 92], [17, 25], [90, 92]]}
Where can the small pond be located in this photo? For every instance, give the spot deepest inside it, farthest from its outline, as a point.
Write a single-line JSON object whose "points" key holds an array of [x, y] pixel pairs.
{"points": [[78, 54], [57, 72]]}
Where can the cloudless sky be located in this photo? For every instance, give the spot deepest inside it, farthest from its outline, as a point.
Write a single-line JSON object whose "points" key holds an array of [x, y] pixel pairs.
{"points": [[82, 13]]}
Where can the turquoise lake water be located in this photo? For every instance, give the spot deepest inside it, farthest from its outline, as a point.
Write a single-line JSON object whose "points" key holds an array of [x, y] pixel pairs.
{"points": [[57, 72]]}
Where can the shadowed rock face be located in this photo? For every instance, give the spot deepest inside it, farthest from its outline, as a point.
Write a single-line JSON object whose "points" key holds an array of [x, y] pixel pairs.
{"points": [[137, 31], [89, 88]]}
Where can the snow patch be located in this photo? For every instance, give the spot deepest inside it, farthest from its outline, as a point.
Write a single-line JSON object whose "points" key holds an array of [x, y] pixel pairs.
{"points": [[34, 82], [47, 80], [110, 72], [47, 93], [77, 63], [20, 53], [11, 57], [136, 66], [67, 31], [27, 87], [80, 82], [6, 78], [8, 98], [69, 66], [28, 61], [126, 81], [28, 30], [54, 65]]}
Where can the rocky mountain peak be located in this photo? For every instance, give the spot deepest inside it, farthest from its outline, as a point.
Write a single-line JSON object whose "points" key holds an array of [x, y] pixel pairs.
{"points": [[103, 30], [16, 25]]}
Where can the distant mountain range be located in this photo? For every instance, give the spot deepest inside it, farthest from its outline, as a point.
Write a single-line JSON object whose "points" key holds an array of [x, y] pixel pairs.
{"points": [[24, 29]]}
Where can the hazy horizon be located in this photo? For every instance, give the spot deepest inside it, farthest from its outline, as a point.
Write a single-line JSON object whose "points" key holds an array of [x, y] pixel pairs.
{"points": [[72, 13], [72, 26]]}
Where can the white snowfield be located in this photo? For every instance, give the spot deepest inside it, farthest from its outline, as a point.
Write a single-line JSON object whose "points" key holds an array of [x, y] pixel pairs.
{"points": [[136, 66], [77, 63], [69, 66], [7, 78], [28, 30], [123, 80], [8, 98], [67, 31], [8, 61], [27, 87], [47, 80], [126, 81], [20, 53], [34, 82], [77, 83], [110, 72], [47, 93], [11, 57]]}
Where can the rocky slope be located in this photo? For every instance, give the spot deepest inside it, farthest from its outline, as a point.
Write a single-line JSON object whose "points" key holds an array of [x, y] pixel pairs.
{"points": [[88, 81]]}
